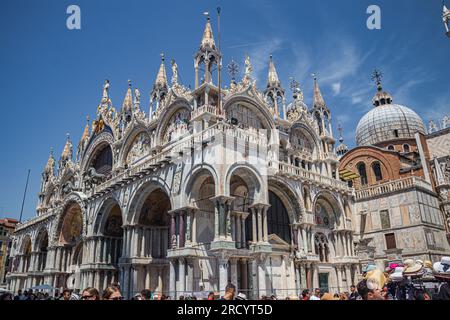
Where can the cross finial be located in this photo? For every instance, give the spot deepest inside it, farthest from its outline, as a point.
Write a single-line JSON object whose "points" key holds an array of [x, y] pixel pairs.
{"points": [[129, 83], [162, 56], [233, 69], [340, 130], [377, 76], [314, 75], [294, 85]]}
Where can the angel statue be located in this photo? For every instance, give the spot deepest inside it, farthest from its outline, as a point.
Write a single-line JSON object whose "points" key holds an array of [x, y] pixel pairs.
{"points": [[137, 96], [174, 72], [248, 67], [106, 89]]}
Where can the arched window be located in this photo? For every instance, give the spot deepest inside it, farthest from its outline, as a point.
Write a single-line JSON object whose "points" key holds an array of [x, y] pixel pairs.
{"points": [[362, 173], [406, 147], [391, 147], [103, 161], [377, 171], [278, 218]]}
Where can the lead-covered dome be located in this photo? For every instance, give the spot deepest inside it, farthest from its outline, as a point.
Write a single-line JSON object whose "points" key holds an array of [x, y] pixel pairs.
{"points": [[387, 121]]}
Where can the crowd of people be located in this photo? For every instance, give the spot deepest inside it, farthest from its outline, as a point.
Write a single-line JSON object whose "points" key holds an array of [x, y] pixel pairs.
{"points": [[410, 280]]}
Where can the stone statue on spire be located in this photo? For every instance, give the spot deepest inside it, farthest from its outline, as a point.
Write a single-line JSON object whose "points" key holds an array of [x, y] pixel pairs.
{"points": [[106, 90], [137, 96], [248, 67], [174, 72]]}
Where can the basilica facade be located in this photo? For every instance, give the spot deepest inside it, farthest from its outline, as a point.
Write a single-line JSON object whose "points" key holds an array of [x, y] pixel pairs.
{"points": [[212, 185]]}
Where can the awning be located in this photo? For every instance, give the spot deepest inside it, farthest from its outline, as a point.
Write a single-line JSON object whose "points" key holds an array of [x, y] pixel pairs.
{"points": [[347, 175]]}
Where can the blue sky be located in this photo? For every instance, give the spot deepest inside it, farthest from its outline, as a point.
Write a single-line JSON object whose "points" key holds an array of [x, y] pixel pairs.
{"points": [[51, 77]]}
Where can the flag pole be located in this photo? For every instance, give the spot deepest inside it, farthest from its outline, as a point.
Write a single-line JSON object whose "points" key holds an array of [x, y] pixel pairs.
{"points": [[220, 61], [24, 195]]}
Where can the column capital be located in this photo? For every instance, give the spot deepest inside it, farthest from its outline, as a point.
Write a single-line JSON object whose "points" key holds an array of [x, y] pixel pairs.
{"points": [[223, 199], [259, 206]]}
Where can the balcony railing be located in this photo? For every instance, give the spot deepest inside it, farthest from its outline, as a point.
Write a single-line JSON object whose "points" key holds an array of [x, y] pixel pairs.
{"points": [[393, 186], [188, 142], [312, 176]]}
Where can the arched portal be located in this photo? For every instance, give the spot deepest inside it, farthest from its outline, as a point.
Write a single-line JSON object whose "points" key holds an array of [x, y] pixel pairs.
{"points": [[150, 243], [70, 238], [26, 255], [42, 245], [278, 218]]}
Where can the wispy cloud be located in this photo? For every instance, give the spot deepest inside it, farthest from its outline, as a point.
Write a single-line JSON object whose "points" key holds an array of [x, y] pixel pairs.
{"points": [[259, 56], [336, 88]]}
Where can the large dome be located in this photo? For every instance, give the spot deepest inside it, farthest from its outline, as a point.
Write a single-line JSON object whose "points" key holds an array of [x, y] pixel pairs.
{"points": [[388, 122]]}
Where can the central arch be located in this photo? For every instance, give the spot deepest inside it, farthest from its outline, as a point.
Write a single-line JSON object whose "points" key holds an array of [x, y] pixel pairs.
{"points": [[147, 235]]}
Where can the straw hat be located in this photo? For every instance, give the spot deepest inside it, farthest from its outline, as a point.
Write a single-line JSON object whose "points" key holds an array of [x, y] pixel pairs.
{"points": [[428, 264], [327, 296], [413, 269], [375, 279]]}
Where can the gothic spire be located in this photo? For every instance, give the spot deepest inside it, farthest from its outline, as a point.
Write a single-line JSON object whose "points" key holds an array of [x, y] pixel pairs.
{"points": [[208, 38], [128, 101], [342, 148], [272, 79], [67, 152], [318, 98], [50, 167], [161, 78], [86, 130]]}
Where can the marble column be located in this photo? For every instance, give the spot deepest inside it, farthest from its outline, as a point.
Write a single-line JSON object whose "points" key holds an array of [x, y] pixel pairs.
{"points": [[261, 278], [349, 277], [143, 240], [182, 230], [172, 283], [125, 241], [304, 239], [254, 221], [311, 235], [172, 231], [315, 276], [182, 276], [190, 277], [194, 227], [234, 273], [244, 275], [135, 281], [284, 288], [238, 230], [264, 221], [147, 276], [339, 278], [126, 281], [223, 275], [243, 236], [260, 224]]}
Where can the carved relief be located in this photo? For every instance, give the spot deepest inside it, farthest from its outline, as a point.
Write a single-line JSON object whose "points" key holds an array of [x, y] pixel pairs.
{"points": [[139, 148]]}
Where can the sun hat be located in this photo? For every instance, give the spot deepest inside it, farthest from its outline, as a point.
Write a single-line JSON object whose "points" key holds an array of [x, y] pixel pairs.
{"points": [[443, 266], [397, 275], [375, 279], [413, 269], [428, 264], [241, 296], [327, 296], [369, 267]]}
